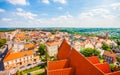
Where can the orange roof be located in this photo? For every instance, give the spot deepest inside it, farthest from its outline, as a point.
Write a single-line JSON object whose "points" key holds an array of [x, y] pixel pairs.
{"points": [[81, 65], [30, 45], [65, 71], [52, 65], [104, 67], [12, 56], [110, 54], [114, 73], [21, 36], [53, 43], [93, 59], [64, 50], [78, 63]]}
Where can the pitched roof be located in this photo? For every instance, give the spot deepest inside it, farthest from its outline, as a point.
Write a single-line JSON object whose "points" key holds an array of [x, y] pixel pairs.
{"points": [[55, 43], [64, 50], [110, 54], [60, 64], [12, 56], [93, 59], [65, 71], [80, 65], [104, 67], [30, 45], [114, 73]]}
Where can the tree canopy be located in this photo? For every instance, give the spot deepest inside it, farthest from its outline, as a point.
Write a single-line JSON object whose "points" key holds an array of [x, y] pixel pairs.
{"points": [[20, 73], [106, 47], [2, 42], [42, 49], [87, 52], [118, 58]]}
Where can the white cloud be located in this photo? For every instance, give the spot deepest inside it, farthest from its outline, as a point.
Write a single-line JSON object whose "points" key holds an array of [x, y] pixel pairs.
{"points": [[6, 19], [26, 15], [19, 9], [2, 10], [94, 13], [19, 2], [60, 8], [100, 11], [116, 6], [97, 17], [46, 1], [61, 1]]}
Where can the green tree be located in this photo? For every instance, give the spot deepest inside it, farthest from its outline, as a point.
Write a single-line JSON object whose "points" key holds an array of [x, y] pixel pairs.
{"points": [[87, 52], [53, 31], [118, 58], [18, 73], [106, 47], [42, 49], [22, 73], [112, 66], [96, 52], [118, 42], [43, 54], [2, 42]]}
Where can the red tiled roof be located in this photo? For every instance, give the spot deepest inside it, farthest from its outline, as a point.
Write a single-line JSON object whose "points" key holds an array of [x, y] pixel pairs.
{"points": [[110, 54], [93, 59], [53, 65], [64, 50], [53, 43], [79, 64], [104, 67], [114, 73], [65, 71], [12, 56]]}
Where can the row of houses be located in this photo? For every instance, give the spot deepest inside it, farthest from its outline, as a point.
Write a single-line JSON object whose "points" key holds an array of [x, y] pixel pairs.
{"points": [[72, 62]]}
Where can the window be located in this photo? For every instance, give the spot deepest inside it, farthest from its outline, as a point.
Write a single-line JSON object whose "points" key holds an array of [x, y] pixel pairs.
{"points": [[8, 63]]}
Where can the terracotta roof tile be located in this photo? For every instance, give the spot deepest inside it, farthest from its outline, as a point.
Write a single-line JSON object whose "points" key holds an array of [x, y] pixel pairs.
{"points": [[93, 59], [64, 50], [53, 43], [12, 56], [65, 71], [30, 45], [104, 67], [60, 64]]}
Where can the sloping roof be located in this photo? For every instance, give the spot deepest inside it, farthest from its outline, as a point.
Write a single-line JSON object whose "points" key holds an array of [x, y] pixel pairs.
{"points": [[30, 45], [65, 71], [55, 43], [60, 64], [93, 59], [110, 54], [80, 65], [12, 56], [104, 67], [64, 50], [114, 73]]}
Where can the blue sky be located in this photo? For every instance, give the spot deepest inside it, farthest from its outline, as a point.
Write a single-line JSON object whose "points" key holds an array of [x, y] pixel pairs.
{"points": [[60, 13]]}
